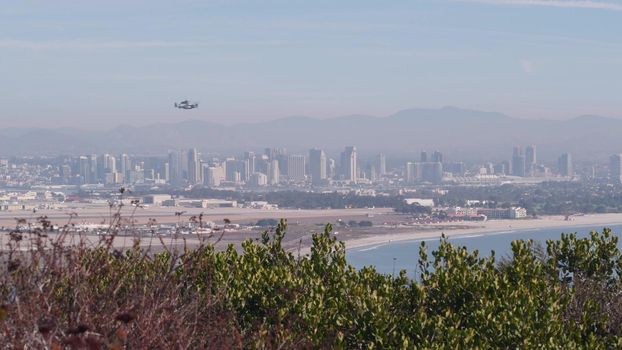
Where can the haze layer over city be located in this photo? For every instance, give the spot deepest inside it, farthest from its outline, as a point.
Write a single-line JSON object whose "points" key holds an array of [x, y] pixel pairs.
{"points": [[261, 174]]}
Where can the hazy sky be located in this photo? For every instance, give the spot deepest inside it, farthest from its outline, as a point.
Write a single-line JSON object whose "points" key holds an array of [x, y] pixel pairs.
{"points": [[102, 63]]}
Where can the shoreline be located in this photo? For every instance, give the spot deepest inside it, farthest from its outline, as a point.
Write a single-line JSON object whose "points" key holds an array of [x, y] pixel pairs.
{"points": [[493, 227]]}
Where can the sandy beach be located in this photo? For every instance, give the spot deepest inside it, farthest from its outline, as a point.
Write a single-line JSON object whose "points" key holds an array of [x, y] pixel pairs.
{"points": [[593, 221]]}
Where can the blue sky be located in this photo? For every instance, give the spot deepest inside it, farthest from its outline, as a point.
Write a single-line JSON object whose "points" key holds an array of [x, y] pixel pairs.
{"points": [[93, 64]]}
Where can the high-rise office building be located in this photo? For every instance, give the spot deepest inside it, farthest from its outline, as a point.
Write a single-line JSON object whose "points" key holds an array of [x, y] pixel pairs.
{"points": [[94, 173], [194, 167], [273, 172], [615, 168], [84, 169], [102, 162], [330, 168], [251, 159], [274, 153], [565, 165], [125, 164], [214, 175], [349, 164], [413, 172], [166, 172], [111, 164], [183, 165], [235, 170], [381, 165], [518, 161], [530, 160], [317, 166], [437, 157], [424, 157], [424, 171], [296, 167], [432, 172], [174, 167], [261, 164], [258, 179]]}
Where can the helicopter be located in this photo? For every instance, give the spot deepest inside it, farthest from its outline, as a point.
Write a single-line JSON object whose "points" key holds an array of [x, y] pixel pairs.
{"points": [[185, 104]]}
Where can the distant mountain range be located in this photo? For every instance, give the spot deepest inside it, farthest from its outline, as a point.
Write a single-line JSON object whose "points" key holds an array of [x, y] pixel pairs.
{"points": [[461, 133]]}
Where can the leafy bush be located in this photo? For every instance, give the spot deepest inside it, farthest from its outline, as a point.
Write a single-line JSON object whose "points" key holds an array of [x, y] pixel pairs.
{"points": [[55, 293]]}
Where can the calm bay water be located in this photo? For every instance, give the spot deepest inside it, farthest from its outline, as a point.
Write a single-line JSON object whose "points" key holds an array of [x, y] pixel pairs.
{"points": [[404, 255]]}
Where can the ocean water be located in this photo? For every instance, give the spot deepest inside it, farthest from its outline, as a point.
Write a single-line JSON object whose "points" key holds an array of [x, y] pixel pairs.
{"points": [[393, 257]]}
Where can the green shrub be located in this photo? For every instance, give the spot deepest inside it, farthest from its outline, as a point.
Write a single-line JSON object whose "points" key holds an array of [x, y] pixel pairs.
{"points": [[55, 294]]}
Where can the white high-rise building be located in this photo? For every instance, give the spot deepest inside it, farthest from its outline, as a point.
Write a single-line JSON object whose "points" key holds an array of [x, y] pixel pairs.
{"points": [[413, 172], [530, 160], [251, 159], [296, 167], [214, 175], [194, 167], [382, 164], [84, 170], [348, 164], [273, 172], [258, 180], [330, 168]]}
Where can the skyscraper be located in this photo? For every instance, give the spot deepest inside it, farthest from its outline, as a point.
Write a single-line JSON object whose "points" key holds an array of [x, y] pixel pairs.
{"points": [[296, 167], [330, 168], [518, 162], [111, 164], [424, 157], [413, 172], [317, 166], [258, 179], [93, 178], [565, 165], [236, 170], [530, 160], [174, 167], [382, 164], [273, 172], [166, 172], [194, 167], [432, 172], [348, 164], [214, 175], [615, 168], [250, 157], [85, 169], [125, 165], [437, 157]]}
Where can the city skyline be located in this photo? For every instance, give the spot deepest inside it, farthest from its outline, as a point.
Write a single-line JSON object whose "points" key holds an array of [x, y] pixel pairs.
{"points": [[317, 169]]}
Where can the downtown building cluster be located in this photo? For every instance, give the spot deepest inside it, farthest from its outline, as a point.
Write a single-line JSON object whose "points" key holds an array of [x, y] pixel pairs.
{"points": [[273, 167], [433, 168], [278, 167]]}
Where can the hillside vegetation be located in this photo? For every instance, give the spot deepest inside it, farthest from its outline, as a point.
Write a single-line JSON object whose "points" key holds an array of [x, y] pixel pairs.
{"points": [[59, 295]]}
